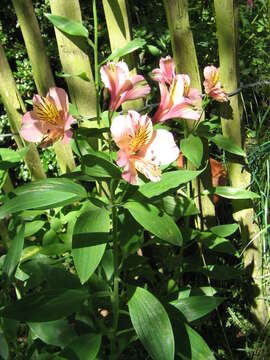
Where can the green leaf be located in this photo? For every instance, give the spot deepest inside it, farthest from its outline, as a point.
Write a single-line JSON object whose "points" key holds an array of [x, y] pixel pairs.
{"points": [[169, 181], [226, 144], [198, 347], [151, 324], [67, 26], [46, 306], [9, 158], [155, 221], [58, 332], [224, 230], [4, 351], [221, 272], [82, 75], [33, 227], [127, 49], [43, 194], [234, 193], [90, 236], [14, 253], [195, 307], [178, 206], [99, 166], [153, 50], [84, 347], [189, 344], [192, 148], [215, 243]]}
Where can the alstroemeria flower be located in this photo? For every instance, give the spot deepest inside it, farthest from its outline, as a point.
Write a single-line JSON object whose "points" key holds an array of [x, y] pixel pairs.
{"points": [[250, 3], [121, 84], [142, 148], [166, 70], [194, 95], [173, 103], [49, 121], [212, 84]]}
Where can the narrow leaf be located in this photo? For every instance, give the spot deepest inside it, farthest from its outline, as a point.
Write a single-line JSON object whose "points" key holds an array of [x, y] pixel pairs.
{"points": [[14, 253], [192, 148], [89, 241], [155, 221], [169, 181], [226, 144], [195, 307], [234, 193], [199, 348], [224, 230], [151, 324], [46, 306], [58, 332], [84, 347], [127, 49], [99, 166], [67, 26], [43, 194]]}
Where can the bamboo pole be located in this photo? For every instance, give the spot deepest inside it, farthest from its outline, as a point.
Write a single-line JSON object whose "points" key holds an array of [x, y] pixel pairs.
{"points": [[227, 33], [75, 61], [15, 108], [185, 58], [42, 73], [119, 30]]}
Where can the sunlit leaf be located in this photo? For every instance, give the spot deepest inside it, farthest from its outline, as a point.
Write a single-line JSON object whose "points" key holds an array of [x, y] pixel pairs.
{"points": [[89, 240], [43, 194], [226, 144], [192, 148], [234, 193], [151, 324], [155, 221], [169, 181], [130, 47], [67, 25]]}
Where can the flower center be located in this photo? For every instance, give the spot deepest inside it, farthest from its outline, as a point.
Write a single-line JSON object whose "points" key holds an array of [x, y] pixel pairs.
{"points": [[142, 136], [47, 111]]}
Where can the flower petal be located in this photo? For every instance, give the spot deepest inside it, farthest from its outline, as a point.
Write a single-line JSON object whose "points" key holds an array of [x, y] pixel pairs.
{"points": [[162, 149], [68, 122], [33, 129], [129, 174], [59, 97]]}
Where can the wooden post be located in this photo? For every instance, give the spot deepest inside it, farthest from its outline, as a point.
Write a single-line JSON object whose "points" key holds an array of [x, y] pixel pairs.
{"points": [[185, 58], [227, 33], [42, 73], [15, 108], [119, 30]]}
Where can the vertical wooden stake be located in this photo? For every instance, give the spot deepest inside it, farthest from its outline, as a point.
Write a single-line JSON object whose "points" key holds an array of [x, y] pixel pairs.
{"points": [[227, 33], [42, 73]]}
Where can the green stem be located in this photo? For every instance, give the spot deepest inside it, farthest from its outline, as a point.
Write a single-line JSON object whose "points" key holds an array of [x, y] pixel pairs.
{"points": [[115, 296]]}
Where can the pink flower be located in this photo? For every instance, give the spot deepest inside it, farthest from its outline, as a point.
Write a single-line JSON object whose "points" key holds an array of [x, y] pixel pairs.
{"points": [[142, 148], [250, 3], [121, 84], [194, 95], [173, 103], [50, 120], [212, 84], [166, 70]]}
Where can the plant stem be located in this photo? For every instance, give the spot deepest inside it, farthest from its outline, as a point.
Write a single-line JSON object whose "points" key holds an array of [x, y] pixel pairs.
{"points": [[115, 296]]}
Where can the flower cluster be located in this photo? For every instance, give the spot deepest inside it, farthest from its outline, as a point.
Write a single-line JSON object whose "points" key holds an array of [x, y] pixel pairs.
{"points": [[141, 148], [212, 84], [50, 120]]}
